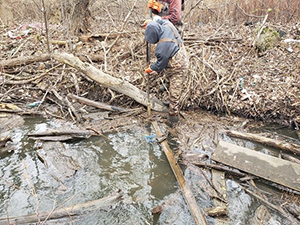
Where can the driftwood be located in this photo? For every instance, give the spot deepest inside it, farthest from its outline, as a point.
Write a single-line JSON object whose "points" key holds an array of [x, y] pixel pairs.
{"points": [[266, 141], [111, 82], [65, 212], [60, 135], [99, 105], [196, 212], [197, 160]]}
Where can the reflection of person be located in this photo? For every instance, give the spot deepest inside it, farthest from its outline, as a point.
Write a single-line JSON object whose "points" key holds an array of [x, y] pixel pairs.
{"points": [[167, 9], [171, 58]]}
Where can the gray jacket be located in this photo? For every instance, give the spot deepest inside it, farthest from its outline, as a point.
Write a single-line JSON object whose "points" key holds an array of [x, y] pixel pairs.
{"points": [[156, 31]]}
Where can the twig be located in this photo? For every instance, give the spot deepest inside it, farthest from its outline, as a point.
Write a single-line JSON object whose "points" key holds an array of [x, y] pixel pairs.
{"points": [[191, 9]]}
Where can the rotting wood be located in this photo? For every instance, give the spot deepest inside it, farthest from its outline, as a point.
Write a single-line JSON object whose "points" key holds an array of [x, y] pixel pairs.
{"points": [[99, 105], [259, 164], [266, 141], [111, 82], [196, 212], [66, 211]]}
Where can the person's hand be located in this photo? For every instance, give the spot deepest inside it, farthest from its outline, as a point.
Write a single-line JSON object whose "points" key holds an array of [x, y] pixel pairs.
{"points": [[152, 4], [146, 22], [148, 70]]}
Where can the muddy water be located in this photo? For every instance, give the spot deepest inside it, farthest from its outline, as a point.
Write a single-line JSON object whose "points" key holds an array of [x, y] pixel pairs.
{"points": [[123, 160]]}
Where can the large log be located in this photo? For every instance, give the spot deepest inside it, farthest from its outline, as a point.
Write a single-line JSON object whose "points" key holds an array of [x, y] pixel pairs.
{"points": [[109, 81], [65, 212]]}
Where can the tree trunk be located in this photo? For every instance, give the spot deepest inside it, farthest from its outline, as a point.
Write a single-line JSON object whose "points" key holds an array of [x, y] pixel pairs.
{"points": [[80, 17]]}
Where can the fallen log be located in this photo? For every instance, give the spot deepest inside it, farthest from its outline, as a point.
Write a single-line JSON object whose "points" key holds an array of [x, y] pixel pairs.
{"points": [[196, 212], [197, 161], [66, 211], [60, 135], [24, 60], [266, 141], [111, 82]]}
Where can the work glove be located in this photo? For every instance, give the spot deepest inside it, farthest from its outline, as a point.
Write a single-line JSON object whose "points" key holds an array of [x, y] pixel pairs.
{"points": [[146, 22], [154, 5], [148, 70]]}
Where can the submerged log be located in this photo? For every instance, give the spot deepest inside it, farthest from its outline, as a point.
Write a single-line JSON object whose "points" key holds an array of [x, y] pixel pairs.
{"points": [[266, 141], [109, 81], [186, 191], [66, 211]]}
